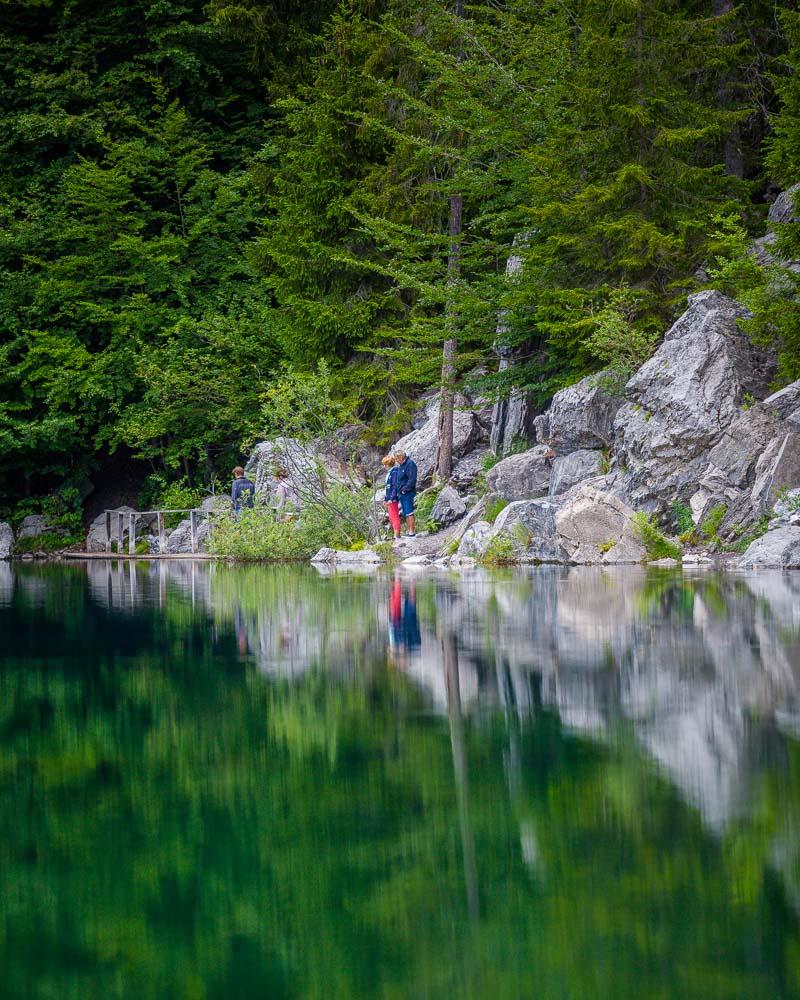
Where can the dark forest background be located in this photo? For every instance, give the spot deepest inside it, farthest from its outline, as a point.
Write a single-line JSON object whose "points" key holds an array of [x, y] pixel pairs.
{"points": [[198, 200]]}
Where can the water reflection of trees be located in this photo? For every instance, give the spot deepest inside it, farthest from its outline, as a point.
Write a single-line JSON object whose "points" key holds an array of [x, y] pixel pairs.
{"points": [[170, 820]]}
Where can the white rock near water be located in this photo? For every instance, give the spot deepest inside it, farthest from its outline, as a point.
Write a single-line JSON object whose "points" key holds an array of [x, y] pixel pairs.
{"points": [[6, 540], [589, 527], [779, 548]]}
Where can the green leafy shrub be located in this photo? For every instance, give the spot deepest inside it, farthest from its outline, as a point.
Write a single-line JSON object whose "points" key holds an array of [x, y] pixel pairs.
{"points": [[655, 542], [424, 507], [682, 517], [50, 541], [500, 552], [494, 507], [622, 338], [709, 528], [160, 494], [343, 519], [61, 509]]}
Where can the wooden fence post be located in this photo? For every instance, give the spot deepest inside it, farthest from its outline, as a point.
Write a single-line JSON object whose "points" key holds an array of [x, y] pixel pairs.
{"points": [[131, 534], [162, 536], [193, 528], [108, 531], [120, 531]]}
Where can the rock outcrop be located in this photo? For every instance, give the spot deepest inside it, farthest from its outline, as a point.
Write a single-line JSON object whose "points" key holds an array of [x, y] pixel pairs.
{"points": [[569, 470], [778, 548], [519, 477], [580, 416], [755, 461], [179, 540], [784, 209], [596, 527], [588, 527], [36, 525], [531, 527], [338, 557], [475, 540], [681, 401], [6, 540], [301, 472], [449, 507]]}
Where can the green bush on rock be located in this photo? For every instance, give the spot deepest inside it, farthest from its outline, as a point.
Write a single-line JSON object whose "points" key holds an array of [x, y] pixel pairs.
{"points": [[342, 519], [655, 542]]}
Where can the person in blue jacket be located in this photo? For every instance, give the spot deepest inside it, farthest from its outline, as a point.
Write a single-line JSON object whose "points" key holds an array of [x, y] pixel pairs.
{"points": [[406, 486], [242, 491]]}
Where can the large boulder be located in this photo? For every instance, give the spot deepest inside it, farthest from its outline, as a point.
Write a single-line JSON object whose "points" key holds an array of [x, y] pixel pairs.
{"points": [[35, 525], [467, 469], [179, 540], [569, 470], [521, 477], [580, 416], [785, 403], [531, 527], [596, 527], [307, 471], [422, 444], [475, 540], [349, 448], [756, 459], [681, 401], [6, 540], [778, 548], [449, 507]]}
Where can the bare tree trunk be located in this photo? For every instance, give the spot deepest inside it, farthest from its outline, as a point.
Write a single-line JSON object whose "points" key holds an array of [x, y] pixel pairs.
{"points": [[444, 456], [460, 770], [734, 158]]}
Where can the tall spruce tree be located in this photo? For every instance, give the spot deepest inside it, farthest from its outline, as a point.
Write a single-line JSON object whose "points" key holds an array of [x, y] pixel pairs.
{"points": [[625, 185]]}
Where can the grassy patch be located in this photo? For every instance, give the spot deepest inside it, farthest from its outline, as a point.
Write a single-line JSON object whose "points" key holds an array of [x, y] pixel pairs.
{"points": [[709, 528], [423, 509], [494, 507], [655, 542], [48, 542], [500, 552]]}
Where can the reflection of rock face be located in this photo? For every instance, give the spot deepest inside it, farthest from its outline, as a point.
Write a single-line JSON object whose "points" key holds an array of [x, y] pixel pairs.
{"points": [[6, 584], [689, 662]]}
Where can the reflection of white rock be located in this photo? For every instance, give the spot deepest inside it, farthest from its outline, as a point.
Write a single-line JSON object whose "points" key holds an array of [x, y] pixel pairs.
{"points": [[684, 661], [6, 584]]}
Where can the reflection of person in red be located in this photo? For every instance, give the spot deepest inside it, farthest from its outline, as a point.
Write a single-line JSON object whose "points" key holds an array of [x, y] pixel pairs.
{"points": [[404, 637], [242, 644]]}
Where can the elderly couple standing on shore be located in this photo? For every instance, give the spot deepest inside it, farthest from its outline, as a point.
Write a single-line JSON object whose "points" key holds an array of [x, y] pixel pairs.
{"points": [[401, 487]]}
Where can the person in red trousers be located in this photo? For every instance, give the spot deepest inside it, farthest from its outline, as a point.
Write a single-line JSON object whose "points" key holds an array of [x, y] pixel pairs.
{"points": [[392, 498]]}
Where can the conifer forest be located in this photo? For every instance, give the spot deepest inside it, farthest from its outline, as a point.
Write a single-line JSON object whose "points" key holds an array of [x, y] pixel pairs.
{"points": [[201, 199]]}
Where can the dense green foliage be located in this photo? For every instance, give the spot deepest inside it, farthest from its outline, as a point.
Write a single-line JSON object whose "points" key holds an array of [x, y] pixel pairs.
{"points": [[195, 196]]}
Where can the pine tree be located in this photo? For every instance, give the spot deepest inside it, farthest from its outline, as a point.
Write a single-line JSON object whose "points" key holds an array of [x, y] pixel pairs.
{"points": [[629, 177]]}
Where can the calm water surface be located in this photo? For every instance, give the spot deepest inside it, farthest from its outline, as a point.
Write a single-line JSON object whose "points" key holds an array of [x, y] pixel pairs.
{"points": [[234, 782]]}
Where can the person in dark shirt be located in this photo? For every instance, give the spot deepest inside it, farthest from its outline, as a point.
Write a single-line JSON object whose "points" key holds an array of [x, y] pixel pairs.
{"points": [[242, 491], [406, 486]]}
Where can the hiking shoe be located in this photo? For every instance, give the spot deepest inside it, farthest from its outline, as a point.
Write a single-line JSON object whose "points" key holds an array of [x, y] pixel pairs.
{"points": [[411, 534]]}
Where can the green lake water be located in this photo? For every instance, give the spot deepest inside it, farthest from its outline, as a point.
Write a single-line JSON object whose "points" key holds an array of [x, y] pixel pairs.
{"points": [[222, 781]]}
